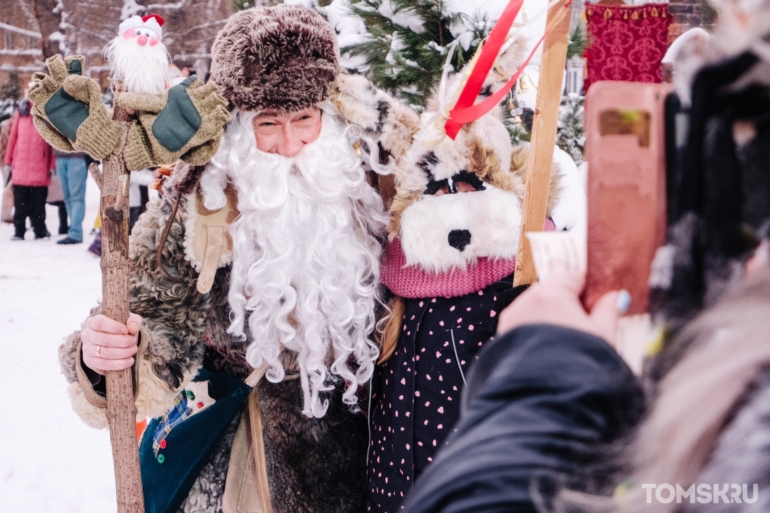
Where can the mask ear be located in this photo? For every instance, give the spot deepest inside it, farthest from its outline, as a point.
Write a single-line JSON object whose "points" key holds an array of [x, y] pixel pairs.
{"points": [[508, 62]]}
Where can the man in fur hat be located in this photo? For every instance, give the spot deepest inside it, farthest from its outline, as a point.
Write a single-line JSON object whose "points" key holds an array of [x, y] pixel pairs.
{"points": [[260, 267]]}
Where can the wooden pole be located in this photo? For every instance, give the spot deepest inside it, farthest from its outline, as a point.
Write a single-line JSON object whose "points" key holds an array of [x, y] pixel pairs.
{"points": [[121, 410], [543, 139]]}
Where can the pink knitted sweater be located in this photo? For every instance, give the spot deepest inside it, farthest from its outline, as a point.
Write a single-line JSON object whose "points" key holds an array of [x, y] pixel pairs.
{"points": [[415, 282]]}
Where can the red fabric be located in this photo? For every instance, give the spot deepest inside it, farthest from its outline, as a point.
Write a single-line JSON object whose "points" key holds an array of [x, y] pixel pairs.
{"points": [[627, 43], [29, 155], [416, 282], [157, 17]]}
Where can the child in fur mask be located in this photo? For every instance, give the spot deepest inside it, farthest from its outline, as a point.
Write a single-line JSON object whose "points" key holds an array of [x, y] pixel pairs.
{"points": [[453, 237]]}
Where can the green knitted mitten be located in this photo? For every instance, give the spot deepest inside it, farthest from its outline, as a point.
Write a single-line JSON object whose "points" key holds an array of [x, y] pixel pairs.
{"points": [[70, 104], [137, 154], [186, 122]]}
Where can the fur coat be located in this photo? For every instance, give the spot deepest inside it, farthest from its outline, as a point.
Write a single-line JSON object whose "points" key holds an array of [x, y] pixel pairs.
{"points": [[312, 464]]}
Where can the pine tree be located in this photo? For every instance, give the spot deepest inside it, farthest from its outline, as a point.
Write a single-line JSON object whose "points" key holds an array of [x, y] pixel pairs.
{"points": [[408, 41], [570, 136], [406, 45], [578, 42]]}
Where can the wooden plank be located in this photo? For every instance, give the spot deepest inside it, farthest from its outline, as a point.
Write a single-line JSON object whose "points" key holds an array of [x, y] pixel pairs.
{"points": [[543, 139]]}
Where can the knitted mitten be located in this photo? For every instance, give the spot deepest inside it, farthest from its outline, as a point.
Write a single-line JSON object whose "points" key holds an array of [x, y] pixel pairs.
{"points": [[48, 132], [186, 122], [68, 109], [137, 154]]}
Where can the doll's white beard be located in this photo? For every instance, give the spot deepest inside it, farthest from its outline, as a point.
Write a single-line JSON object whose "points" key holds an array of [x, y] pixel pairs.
{"points": [[141, 69], [305, 257]]}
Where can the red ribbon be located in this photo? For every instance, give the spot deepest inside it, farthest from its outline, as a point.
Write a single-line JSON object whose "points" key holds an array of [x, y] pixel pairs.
{"points": [[466, 112], [486, 60]]}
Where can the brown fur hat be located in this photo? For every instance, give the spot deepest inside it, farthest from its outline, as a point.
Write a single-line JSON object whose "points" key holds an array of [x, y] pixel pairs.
{"points": [[282, 58]]}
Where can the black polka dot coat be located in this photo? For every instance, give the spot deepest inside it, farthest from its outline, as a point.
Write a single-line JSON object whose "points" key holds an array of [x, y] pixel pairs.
{"points": [[416, 393]]}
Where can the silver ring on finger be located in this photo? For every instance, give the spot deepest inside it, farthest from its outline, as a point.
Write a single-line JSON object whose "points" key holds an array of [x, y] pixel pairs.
{"points": [[98, 348]]}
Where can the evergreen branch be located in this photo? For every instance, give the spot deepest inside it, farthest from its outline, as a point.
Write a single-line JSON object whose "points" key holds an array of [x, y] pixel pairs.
{"points": [[578, 42]]}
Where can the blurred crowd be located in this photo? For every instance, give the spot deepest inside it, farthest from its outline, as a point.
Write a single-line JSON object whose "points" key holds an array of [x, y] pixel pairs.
{"points": [[34, 174]]}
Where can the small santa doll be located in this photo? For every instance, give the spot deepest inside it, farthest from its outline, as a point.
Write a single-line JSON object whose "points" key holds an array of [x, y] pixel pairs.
{"points": [[138, 58]]}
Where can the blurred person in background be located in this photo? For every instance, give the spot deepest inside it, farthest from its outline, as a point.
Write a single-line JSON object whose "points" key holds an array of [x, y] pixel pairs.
{"points": [[32, 163], [72, 169], [6, 201], [96, 244], [55, 198]]}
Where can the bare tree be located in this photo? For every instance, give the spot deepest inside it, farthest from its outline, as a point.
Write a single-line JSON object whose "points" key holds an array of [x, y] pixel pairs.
{"points": [[33, 30], [48, 19], [20, 53]]}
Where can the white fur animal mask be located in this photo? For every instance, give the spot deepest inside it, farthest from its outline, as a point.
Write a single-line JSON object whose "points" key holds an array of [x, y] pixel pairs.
{"points": [[457, 200], [460, 200]]}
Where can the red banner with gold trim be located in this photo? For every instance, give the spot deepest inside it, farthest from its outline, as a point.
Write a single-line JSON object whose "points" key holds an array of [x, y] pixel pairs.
{"points": [[627, 42]]}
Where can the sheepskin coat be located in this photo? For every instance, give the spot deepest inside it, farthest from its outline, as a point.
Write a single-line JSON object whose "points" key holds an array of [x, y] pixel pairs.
{"points": [[312, 464]]}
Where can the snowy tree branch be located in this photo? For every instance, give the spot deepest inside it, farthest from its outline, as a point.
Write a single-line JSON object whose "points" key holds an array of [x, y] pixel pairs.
{"points": [[201, 26], [23, 69], [97, 35], [31, 51], [18, 30], [156, 7], [27, 10], [191, 56]]}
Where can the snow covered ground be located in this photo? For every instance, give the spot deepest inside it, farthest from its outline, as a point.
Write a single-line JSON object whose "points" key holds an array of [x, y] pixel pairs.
{"points": [[50, 462]]}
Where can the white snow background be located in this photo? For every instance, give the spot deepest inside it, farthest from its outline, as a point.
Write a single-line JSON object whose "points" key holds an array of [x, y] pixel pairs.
{"points": [[50, 462]]}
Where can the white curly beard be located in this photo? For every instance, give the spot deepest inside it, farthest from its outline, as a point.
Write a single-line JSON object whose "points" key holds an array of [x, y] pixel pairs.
{"points": [[141, 69], [305, 256]]}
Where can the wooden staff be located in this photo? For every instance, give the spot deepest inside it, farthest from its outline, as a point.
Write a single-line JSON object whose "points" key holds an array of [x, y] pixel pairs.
{"points": [[544, 126], [121, 410]]}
